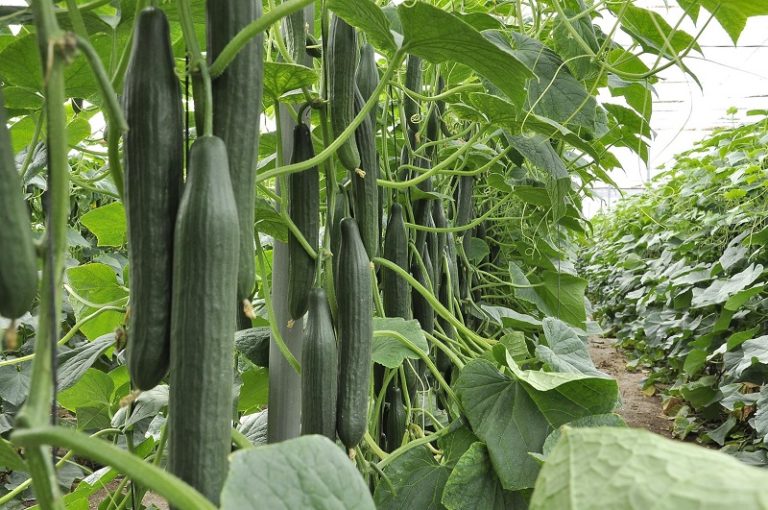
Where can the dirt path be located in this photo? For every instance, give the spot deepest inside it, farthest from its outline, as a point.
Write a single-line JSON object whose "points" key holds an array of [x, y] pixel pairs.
{"points": [[638, 409]]}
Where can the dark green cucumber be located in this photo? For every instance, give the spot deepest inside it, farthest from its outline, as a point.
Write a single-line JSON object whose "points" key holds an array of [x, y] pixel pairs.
{"points": [[18, 270], [422, 208], [341, 59], [367, 77], [432, 249], [441, 221], [236, 118], [435, 118], [396, 292], [205, 268], [413, 81], [154, 156], [340, 211], [464, 201], [304, 211], [453, 263], [422, 309], [319, 365], [394, 426], [446, 299], [253, 343], [365, 191], [355, 327]]}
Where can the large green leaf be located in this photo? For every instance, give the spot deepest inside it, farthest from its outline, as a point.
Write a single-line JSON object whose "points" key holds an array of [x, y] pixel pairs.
{"points": [[96, 283], [652, 31], [720, 290], [282, 77], [565, 352], [14, 383], [368, 17], [417, 482], [94, 389], [609, 467], [389, 350], [74, 363], [107, 223], [504, 416], [308, 472], [731, 14], [564, 397], [438, 36], [474, 484], [553, 92]]}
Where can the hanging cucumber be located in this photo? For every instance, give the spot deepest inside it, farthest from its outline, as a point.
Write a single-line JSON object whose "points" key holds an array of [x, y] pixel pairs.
{"points": [[396, 292], [367, 77], [341, 59], [435, 117], [422, 207], [154, 157], [355, 328], [464, 201], [394, 426], [319, 370], [432, 248], [441, 221], [411, 107], [236, 118], [422, 309], [365, 191], [18, 270], [205, 269], [446, 299], [340, 211], [304, 211]]}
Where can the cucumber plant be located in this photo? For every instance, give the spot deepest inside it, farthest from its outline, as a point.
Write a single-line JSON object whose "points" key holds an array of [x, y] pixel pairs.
{"points": [[468, 136]]}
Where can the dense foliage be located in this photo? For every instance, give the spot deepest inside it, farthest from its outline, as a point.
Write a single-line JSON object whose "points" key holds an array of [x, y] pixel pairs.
{"points": [[416, 185], [678, 274]]}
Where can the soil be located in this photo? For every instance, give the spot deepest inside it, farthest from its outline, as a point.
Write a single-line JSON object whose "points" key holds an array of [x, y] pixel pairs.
{"points": [[149, 499], [638, 409]]}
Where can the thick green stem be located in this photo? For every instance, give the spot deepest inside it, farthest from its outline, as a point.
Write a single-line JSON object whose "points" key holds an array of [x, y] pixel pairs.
{"points": [[178, 493]]}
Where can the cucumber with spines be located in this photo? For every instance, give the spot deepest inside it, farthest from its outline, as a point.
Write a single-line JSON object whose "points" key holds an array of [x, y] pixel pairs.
{"points": [[396, 292], [365, 190]]}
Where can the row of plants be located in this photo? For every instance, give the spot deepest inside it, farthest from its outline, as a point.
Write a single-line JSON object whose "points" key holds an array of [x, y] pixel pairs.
{"points": [[386, 271], [677, 273]]}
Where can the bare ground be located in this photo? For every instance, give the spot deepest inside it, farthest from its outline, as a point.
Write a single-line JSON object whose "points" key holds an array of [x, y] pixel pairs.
{"points": [[638, 409]]}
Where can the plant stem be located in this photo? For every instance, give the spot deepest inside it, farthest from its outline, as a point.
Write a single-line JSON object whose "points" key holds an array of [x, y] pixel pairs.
{"points": [[178, 493]]}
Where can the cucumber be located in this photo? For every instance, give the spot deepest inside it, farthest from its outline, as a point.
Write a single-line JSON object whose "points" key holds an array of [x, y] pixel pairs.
{"points": [[411, 108], [422, 309], [18, 270], [365, 191], [304, 211], [422, 208], [432, 248], [341, 59], [205, 268], [438, 215], [236, 119], [446, 299], [355, 328], [394, 426], [435, 118], [319, 365], [340, 211], [253, 343], [396, 292], [367, 77], [154, 156], [464, 201]]}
